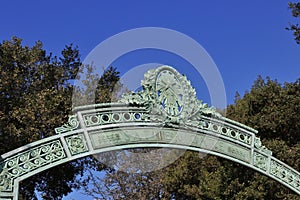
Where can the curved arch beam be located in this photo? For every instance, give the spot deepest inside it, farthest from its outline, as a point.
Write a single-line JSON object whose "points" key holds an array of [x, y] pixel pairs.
{"points": [[217, 137], [166, 113]]}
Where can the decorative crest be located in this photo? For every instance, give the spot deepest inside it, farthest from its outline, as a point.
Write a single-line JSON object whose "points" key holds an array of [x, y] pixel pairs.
{"points": [[169, 97]]}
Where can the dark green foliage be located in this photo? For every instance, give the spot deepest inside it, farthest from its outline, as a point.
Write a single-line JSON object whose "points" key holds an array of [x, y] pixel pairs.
{"points": [[272, 109], [34, 93], [108, 86], [295, 8], [36, 97]]}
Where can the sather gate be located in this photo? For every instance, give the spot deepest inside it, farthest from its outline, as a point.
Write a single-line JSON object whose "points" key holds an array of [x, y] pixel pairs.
{"points": [[167, 111]]}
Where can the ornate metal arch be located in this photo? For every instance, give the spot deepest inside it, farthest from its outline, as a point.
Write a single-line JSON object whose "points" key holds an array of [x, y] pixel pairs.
{"points": [[167, 111]]}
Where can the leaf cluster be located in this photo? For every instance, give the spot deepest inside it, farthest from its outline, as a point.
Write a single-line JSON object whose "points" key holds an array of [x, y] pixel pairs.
{"points": [[295, 9]]}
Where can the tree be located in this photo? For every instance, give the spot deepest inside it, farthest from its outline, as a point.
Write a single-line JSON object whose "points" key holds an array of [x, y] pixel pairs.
{"points": [[35, 98], [295, 8], [272, 109]]}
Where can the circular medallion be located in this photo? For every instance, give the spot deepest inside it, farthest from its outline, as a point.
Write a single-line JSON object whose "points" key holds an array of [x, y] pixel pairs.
{"points": [[169, 92]]}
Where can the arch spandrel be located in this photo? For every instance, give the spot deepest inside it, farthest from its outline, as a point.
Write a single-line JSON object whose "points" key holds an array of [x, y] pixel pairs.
{"points": [[168, 111]]}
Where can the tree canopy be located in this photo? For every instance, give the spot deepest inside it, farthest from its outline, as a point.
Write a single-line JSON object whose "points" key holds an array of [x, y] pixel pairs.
{"points": [[36, 97]]}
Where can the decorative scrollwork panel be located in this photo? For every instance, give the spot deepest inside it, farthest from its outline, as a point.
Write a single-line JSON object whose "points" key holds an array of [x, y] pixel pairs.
{"points": [[28, 161], [285, 174]]}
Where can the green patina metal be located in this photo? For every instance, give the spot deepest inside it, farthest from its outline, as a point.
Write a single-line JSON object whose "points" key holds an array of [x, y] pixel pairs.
{"points": [[167, 111]]}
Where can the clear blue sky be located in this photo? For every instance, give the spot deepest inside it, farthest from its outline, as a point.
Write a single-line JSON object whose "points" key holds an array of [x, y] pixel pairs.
{"points": [[244, 38]]}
